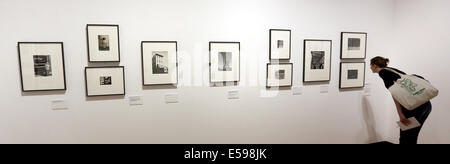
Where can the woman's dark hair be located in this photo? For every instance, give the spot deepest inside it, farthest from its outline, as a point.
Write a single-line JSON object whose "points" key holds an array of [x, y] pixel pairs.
{"points": [[380, 61]]}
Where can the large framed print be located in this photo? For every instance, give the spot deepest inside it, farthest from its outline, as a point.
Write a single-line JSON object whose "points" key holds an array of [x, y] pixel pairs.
{"points": [[103, 43], [280, 44], [353, 45], [352, 75], [317, 60], [42, 66], [224, 61], [105, 81], [159, 63], [279, 75]]}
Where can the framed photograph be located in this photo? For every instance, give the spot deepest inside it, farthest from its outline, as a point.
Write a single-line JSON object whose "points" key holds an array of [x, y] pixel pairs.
{"points": [[317, 60], [280, 44], [352, 75], [353, 45], [224, 61], [279, 75], [105, 81], [159, 63], [103, 43], [42, 66]]}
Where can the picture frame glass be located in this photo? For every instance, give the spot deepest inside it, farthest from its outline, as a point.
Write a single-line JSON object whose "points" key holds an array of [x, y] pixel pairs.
{"points": [[317, 60], [159, 61], [103, 43], [104, 81], [352, 75], [280, 44], [279, 75], [224, 62], [42, 66], [354, 45]]}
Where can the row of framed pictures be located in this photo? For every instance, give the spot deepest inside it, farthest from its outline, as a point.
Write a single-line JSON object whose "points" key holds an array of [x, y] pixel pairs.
{"points": [[42, 63], [353, 45], [352, 75], [317, 60], [104, 46], [42, 67]]}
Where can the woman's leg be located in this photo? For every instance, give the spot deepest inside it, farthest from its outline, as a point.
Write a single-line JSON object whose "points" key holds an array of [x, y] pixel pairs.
{"points": [[421, 114]]}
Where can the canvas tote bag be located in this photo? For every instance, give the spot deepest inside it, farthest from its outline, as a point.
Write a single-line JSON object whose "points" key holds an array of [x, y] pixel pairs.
{"points": [[411, 91]]}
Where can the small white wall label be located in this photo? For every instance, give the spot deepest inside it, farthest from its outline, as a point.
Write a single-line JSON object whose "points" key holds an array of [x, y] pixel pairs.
{"points": [[59, 105]]}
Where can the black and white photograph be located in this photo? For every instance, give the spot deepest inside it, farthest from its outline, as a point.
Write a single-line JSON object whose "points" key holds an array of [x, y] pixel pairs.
{"points": [[105, 81], [103, 43], [279, 75], [42, 66], [353, 45], [352, 75], [159, 63], [280, 44], [224, 62], [317, 60]]}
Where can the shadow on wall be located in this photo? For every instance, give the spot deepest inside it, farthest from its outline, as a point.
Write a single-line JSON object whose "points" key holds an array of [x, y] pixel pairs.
{"points": [[43, 93], [369, 120], [104, 98]]}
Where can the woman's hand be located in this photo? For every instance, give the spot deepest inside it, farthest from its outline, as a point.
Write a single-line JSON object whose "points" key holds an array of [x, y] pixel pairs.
{"points": [[405, 121]]}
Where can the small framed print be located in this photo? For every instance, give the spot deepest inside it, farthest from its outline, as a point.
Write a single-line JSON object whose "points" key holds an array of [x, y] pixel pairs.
{"points": [[42, 66], [317, 60], [103, 43], [279, 75], [224, 58], [105, 81], [159, 63], [280, 44], [353, 45], [352, 75]]}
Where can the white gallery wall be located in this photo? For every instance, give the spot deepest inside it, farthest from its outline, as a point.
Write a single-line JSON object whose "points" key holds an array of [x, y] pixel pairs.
{"points": [[204, 114], [422, 40]]}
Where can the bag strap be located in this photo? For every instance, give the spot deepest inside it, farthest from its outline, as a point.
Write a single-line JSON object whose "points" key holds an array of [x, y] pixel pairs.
{"points": [[394, 71]]}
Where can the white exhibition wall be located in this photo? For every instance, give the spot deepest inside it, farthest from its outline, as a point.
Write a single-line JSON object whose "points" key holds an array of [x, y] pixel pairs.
{"points": [[204, 114], [422, 47]]}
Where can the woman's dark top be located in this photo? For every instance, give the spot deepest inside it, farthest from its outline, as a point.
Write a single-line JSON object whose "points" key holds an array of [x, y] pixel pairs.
{"points": [[390, 77]]}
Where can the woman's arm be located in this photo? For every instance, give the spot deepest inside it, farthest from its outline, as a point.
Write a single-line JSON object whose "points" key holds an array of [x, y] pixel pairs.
{"points": [[403, 119]]}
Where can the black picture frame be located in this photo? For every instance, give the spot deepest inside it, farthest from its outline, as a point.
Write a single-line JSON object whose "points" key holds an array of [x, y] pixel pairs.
{"points": [[21, 67], [270, 44], [304, 59], [281, 86], [104, 67], [142, 63], [88, 44], [340, 76], [222, 42], [342, 44]]}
